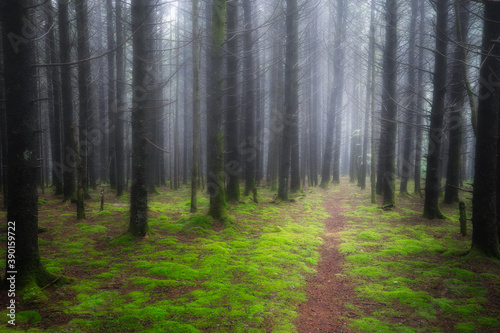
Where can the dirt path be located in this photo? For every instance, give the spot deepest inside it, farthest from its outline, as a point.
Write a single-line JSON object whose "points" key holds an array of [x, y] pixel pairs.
{"points": [[327, 290]]}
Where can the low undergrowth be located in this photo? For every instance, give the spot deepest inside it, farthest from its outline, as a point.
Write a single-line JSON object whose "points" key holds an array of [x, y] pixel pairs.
{"points": [[191, 274], [411, 275]]}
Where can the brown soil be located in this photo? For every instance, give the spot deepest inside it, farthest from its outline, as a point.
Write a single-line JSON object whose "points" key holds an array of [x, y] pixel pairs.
{"points": [[328, 290]]}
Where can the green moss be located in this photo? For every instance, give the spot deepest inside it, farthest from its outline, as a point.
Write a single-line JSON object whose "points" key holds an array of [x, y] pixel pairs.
{"points": [[488, 321], [96, 304], [428, 314], [465, 327], [463, 274], [466, 310], [174, 271], [85, 286], [26, 317], [105, 275], [126, 323], [124, 240], [360, 258], [347, 248], [99, 262], [173, 326], [94, 229], [77, 247], [84, 325], [371, 325], [248, 276], [54, 269], [370, 235], [150, 283], [403, 294], [373, 272], [104, 213]]}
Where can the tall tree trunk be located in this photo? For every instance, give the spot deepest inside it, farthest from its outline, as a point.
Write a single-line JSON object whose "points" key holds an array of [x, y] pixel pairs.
{"points": [[389, 107], [232, 156], [373, 171], [407, 164], [3, 128], [332, 146], [276, 112], [22, 212], [291, 96], [55, 111], [153, 111], [260, 119], [433, 174], [484, 219], [84, 86], [249, 103], [215, 135], [185, 121], [138, 226], [314, 129], [70, 149], [121, 104], [420, 90], [112, 77], [366, 128], [339, 81], [457, 99], [177, 106], [196, 108]]}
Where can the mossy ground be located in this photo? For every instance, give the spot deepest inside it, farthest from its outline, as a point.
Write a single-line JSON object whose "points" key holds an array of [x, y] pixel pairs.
{"points": [[191, 274], [195, 274], [409, 273]]}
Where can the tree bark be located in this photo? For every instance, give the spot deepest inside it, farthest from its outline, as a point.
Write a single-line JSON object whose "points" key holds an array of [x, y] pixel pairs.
{"points": [[22, 212], [388, 129], [420, 87], [291, 97], [276, 112], [332, 145], [373, 171], [457, 100], [407, 163], [85, 94], [3, 128], [121, 104], [314, 129], [70, 150], [250, 141], [54, 86], [215, 135], [293, 111], [339, 88], [433, 174], [138, 226], [232, 157], [196, 108], [484, 219]]}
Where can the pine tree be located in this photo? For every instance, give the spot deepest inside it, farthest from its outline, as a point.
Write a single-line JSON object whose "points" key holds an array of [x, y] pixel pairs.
{"points": [[138, 226], [433, 174], [484, 220], [21, 111], [215, 139]]}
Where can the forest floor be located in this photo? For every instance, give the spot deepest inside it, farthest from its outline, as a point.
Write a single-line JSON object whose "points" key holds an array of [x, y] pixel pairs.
{"points": [[328, 262]]}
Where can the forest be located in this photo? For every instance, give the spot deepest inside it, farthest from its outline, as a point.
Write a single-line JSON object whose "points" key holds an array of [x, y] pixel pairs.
{"points": [[250, 166]]}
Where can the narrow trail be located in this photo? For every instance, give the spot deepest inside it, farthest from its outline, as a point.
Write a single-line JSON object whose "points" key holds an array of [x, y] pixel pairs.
{"points": [[328, 289]]}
